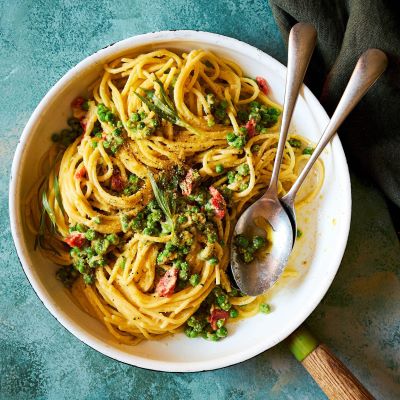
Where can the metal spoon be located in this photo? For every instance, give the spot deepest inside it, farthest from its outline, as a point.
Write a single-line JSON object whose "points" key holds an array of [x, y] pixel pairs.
{"points": [[264, 273], [256, 277]]}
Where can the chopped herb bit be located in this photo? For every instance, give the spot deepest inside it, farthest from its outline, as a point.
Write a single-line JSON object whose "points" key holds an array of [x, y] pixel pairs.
{"points": [[67, 275], [299, 233], [213, 261], [265, 308], [96, 220], [308, 150], [295, 143]]}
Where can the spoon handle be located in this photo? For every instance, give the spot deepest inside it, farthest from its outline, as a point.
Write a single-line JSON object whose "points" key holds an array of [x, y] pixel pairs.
{"points": [[333, 377], [368, 69], [302, 40]]}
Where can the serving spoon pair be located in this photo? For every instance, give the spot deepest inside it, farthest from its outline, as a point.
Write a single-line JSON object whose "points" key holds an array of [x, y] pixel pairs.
{"points": [[256, 277]]}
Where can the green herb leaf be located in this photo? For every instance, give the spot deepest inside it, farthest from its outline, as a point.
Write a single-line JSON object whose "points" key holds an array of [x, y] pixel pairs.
{"points": [[164, 201], [165, 108], [47, 208], [164, 96], [58, 194], [159, 111]]}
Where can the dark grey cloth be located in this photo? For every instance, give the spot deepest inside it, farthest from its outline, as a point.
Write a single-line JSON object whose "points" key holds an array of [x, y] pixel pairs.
{"points": [[371, 134]]}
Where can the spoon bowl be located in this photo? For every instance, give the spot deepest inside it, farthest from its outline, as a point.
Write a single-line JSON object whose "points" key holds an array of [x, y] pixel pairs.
{"points": [[254, 278]]}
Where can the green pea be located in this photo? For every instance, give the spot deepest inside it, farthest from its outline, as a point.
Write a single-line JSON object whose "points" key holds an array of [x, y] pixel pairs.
{"points": [[90, 234], [101, 246], [219, 168], [182, 219], [124, 220], [194, 279], [170, 246], [209, 207], [90, 252], [155, 216], [242, 241], [152, 205], [213, 261], [191, 333], [258, 242], [135, 117], [112, 238], [231, 176], [194, 210], [222, 332], [136, 224], [154, 123], [248, 257], [88, 279], [114, 148], [119, 140], [148, 231], [212, 336], [255, 104], [184, 250], [212, 237], [233, 313], [80, 265], [201, 198], [243, 170], [239, 142], [230, 137], [133, 178], [183, 274], [109, 117], [74, 251], [80, 228], [255, 148]]}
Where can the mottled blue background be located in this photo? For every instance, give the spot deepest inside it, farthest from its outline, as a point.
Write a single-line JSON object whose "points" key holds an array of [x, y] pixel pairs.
{"points": [[359, 318]]}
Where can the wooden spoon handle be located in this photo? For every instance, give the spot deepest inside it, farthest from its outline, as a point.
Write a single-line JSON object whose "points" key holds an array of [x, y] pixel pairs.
{"points": [[332, 376]]}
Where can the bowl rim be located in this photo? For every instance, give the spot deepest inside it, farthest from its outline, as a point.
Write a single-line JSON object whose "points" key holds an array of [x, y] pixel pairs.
{"points": [[16, 219]]}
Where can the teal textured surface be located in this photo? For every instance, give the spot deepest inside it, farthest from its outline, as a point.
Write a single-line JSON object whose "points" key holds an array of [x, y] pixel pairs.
{"points": [[359, 318]]}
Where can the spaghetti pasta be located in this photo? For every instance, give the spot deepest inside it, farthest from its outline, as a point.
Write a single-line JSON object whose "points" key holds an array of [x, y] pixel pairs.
{"points": [[145, 187]]}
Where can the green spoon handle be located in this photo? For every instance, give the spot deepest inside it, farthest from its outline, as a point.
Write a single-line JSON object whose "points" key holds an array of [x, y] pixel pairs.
{"points": [[332, 376]]}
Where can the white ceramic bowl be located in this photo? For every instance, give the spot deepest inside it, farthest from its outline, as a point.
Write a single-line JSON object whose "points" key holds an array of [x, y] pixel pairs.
{"points": [[317, 256]]}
